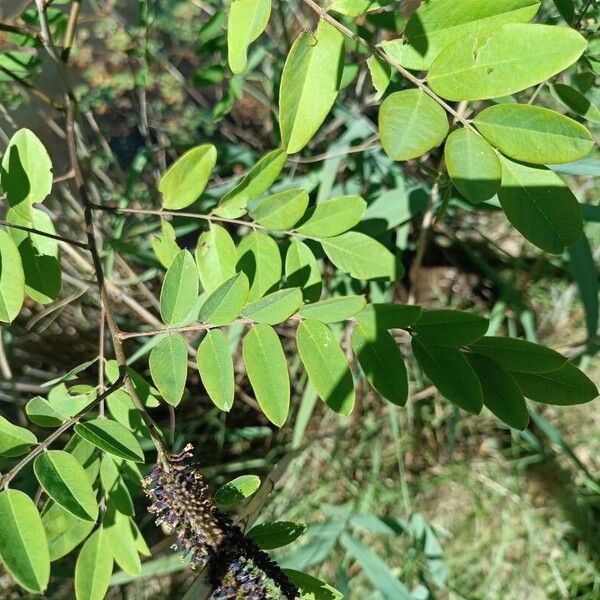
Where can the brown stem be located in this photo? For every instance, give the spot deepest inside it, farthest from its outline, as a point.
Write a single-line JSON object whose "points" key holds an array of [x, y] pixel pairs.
{"points": [[44, 234]]}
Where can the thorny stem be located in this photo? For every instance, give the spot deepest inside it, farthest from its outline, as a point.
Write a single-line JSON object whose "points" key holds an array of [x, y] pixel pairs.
{"points": [[43, 446], [323, 14]]}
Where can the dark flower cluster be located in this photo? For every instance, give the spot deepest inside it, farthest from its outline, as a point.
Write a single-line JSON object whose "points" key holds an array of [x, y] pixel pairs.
{"points": [[237, 567]]}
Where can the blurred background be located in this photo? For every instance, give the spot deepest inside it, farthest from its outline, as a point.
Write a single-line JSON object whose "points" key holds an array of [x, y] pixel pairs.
{"points": [[455, 506]]}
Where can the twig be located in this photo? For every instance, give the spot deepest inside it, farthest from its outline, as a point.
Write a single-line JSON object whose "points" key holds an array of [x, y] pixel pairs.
{"points": [[44, 234], [32, 89], [42, 446], [204, 217]]}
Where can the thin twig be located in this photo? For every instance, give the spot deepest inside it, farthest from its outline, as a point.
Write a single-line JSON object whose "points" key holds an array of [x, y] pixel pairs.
{"points": [[44, 234]]}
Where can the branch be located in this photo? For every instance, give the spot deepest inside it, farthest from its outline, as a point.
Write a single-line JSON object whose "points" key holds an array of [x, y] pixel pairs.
{"points": [[42, 446], [323, 14], [44, 234], [32, 89], [204, 217]]}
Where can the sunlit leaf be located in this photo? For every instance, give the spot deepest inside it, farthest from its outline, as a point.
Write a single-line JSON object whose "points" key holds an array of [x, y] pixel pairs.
{"points": [[179, 293], [215, 366], [168, 367]]}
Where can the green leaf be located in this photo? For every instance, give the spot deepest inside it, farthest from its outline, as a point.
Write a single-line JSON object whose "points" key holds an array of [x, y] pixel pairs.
{"points": [[12, 279], [361, 256], [39, 256], [216, 257], [247, 20], [64, 480], [179, 293], [14, 440], [326, 366], [381, 74], [302, 270], [64, 531], [280, 211], [86, 454], [538, 203], [256, 182], [501, 394], [534, 134], [123, 410], [23, 545], [472, 165], [165, 245], [505, 62], [411, 124], [68, 404], [583, 268], [332, 217], [41, 413], [115, 490], [111, 437], [519, 355], [186, 178], [310, 587], [388, 316], [168, 367], [267, 370], [451, 374], [215, 366], [273, 535], [119, 535], [566, 8], [226, 302], [435, 25], [309, 84], [375, 569], [260, 260], [564, 387], [237, 490], [94, 568], [333, 310], [354, 8], [382, 362], [450, 327], [274, 308], [577, 103], [26, 172]]}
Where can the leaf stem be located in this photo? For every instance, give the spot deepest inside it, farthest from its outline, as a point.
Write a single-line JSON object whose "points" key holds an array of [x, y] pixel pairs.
{"points": [[44, 234]]}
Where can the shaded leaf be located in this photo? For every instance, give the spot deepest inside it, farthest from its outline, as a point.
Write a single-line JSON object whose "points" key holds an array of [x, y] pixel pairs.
{"points": [[302, 270], [382, 362], [450, 327], [388, 316], [237, 490], [226, 302], [64, 531], [276, 534], [12, 279], [538, 203], [14, 440], [259, 259], [451, 374], [501, 394]]}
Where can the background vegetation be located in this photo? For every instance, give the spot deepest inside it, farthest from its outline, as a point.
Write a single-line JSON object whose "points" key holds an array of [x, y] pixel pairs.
{"points": [[453, 505]]}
